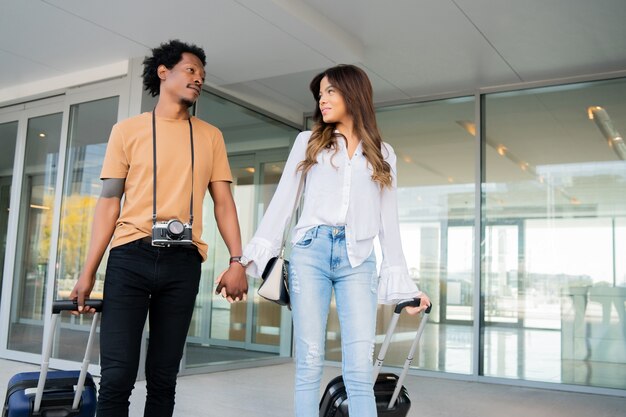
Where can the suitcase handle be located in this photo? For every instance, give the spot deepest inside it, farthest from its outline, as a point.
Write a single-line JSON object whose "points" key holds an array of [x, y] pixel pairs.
{"points": [[57, 307], [72, 305], [414, 302]]}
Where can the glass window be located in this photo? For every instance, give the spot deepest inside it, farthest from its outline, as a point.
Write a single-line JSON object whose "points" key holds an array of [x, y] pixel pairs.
{"points": [[8, 139], [34, 231], [619, 248], [90, 126], [434, 145], [555, 209], [257, 149]]}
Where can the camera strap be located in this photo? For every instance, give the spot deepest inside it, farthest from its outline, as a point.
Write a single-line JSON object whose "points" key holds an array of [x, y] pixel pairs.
{"points": [[154, 170]]}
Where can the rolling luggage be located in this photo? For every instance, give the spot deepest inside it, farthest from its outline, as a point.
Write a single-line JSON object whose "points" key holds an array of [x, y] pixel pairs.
{"points": [[392, 398], [55, 393]]}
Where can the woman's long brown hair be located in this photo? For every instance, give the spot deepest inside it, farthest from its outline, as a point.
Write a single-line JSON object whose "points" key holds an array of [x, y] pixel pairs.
{"points": [[356, 90]]}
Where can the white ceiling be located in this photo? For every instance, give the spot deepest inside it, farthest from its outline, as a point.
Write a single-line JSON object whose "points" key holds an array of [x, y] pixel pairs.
{"points": [[266, 51]]}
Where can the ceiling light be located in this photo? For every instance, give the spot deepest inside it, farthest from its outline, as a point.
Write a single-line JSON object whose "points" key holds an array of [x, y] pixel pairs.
{"points": [[469, 127], [42, 135], [612, 136], [526, 167], [250, 170]]}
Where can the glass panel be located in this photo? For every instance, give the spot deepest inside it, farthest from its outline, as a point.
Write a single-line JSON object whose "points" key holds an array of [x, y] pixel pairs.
{"points": [[501, 281], [267, 318], [8, 139], [90, 126], [244, 130], [436, 175], [619, 248], [459, 289], [556, 184], [220, 331], [229, 320], [34, 229]]}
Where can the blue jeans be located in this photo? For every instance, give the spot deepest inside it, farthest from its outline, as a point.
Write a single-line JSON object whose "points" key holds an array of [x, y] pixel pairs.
{"points": [[139, 279], [318, 264]]}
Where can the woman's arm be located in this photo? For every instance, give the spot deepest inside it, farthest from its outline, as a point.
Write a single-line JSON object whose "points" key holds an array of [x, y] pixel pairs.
{"points": [[395, 283], [269, 235]]}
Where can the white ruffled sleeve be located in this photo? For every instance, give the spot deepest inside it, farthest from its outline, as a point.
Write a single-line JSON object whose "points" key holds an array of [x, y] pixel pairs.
{"points": [[268, 237], [395, 283], [260, 251]]}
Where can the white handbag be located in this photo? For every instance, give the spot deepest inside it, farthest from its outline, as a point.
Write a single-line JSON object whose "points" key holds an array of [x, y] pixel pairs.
{"points": [[275, 285]]}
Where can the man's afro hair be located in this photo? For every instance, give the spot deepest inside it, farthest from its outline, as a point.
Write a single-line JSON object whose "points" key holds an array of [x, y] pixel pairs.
{"points": [[168, 54]]}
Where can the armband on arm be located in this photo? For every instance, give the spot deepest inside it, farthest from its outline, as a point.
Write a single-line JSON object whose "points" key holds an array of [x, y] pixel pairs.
{"points": [[113, 187]]}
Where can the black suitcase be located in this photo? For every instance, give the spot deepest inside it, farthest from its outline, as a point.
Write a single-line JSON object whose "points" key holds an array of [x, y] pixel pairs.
{"points": [[55, 393], [392, 398]]}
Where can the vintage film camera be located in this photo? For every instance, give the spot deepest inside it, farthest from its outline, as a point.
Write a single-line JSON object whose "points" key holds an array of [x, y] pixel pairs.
{"points": [[171, 233]]}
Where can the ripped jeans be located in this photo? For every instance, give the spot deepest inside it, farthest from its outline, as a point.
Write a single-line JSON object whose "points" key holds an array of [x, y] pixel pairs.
{"points": [[318, 264]]}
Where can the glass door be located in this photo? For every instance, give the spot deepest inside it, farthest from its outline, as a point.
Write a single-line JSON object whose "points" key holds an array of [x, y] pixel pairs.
{"points": [[8, 140], [257, 329], [43, 250], [34, 230], [270, 322]]}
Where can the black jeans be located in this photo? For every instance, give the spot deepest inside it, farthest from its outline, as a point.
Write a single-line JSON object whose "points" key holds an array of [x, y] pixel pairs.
{"points": [[139, 279]]}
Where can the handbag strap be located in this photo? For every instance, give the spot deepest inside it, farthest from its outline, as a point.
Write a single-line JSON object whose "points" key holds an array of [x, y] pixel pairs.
{"points": [[296, 204]]}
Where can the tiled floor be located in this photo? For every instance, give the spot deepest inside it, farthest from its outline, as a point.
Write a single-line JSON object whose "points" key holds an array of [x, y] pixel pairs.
{"points": [[267, 392]]}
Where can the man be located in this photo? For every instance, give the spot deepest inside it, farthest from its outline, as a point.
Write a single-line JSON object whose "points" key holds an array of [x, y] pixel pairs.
{"points": [[156, 250]]}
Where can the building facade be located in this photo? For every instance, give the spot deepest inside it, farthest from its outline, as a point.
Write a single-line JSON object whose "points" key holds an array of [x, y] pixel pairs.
{"points": [[512, 203]]}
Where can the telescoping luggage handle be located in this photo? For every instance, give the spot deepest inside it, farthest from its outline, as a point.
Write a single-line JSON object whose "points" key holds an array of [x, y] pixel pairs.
{"points": [[57, 307], [414, 302]]}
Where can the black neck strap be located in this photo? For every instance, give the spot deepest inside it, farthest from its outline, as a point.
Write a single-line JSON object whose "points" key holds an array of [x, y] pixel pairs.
{"points": [[154, 170]]}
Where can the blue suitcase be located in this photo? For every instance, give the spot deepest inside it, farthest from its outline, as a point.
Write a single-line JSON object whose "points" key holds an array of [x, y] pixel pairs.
{"points": [[55, 393], [392, 398]]}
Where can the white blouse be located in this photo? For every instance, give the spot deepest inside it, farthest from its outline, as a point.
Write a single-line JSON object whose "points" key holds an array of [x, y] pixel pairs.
{"points": [[339, 191]]}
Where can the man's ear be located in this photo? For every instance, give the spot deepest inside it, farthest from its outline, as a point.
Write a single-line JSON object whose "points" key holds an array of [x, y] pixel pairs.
{"points": [[162, 71]]}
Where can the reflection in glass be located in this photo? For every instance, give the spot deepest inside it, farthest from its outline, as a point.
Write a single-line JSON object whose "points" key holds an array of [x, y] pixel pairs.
{"points": [[8, 139], [436, 176], [90, 126], [257, 146], [229, 320], [34, 231], [501, 280], [267, 323], [555, 204]]}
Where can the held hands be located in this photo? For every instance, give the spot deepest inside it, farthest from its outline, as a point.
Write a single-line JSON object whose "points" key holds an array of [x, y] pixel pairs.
{"points": [[424, 304], [81, 292], [232, 283]]}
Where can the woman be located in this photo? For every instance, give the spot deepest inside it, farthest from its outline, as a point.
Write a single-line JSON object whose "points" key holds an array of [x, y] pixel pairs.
{"points": [[349, 199]]}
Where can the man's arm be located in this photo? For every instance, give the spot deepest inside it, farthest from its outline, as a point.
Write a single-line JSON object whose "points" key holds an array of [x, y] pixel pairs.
{"points": [[233, 280], [105, 216]]}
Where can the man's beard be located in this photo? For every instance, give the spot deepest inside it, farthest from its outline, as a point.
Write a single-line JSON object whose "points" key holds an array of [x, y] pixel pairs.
{"points": [[187, 103]]}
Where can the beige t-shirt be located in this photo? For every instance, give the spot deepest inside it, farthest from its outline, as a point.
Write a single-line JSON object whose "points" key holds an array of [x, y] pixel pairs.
{"points": [[129, 156]]}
